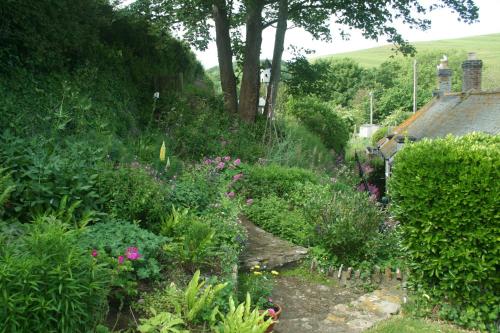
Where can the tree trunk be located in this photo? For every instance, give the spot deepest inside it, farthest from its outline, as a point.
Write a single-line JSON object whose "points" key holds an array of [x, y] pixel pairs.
{"points": [[249, 92], [279, 42], [225, 56]]}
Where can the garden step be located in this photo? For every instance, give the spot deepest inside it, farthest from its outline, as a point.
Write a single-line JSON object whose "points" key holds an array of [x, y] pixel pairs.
{"points": [[265, 249]]}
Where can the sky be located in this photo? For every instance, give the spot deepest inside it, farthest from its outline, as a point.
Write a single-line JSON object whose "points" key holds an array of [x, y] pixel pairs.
{"points": [[444, 26]]}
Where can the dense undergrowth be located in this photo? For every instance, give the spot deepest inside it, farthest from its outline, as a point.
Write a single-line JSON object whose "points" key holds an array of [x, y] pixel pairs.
{"points": [[93, 218]]}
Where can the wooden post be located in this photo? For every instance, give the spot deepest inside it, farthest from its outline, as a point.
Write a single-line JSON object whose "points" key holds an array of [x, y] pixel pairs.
{"points": [[388, 274], [340, 271], [349, 272]]}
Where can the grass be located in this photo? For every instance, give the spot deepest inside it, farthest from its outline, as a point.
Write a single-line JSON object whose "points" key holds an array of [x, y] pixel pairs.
{"points": [[413, 325], [304, 274], [487, 48]]}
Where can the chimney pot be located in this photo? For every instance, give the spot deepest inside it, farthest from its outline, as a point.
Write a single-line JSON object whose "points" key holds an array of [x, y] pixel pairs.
{"points": [[444, 76], [472, 72]]}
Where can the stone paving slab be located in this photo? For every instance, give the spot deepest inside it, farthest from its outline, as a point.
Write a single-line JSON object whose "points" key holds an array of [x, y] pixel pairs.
{"points": [[316, 308], [265, 249]]}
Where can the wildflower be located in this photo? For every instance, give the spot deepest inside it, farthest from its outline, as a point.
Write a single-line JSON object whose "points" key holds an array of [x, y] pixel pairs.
{"points": [[207, 161], [121, 259], [256, 267], [220, 166], [257, 273], [270, 300], [237, 162], [227, 158], [237, 176], [271, 312], [163, 151], [132, 253], [230, 195], [249, 201], [94, 253], [274, 273]]}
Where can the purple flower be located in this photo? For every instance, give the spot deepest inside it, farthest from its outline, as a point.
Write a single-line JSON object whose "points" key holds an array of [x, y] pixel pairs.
{"points": [[207, 161], [94, 253], [132, 253], [230, 195], [227, 158], [237, 162], [121, 259], [249, 201], [220, 166], [237, 176]]}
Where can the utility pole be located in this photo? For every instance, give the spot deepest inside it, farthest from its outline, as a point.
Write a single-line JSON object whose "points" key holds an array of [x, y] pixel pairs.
{"points": [[414, 85], [371, 107]]}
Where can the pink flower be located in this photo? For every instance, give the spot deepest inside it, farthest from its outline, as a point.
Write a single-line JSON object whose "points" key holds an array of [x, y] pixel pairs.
{"points": [[94, 253], [121, 259], [230, 195], [237, 176], [237, 162], [249, 202], [132, 253], [220, 166], [207, 161], [227, 158], [271, 312]]}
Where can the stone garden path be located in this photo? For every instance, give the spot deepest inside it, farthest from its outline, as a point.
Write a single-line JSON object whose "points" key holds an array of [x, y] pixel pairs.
{"points": [[314, 307]]}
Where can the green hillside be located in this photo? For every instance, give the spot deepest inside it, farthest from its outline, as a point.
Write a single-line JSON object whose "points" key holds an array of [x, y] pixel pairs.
{"points": [[487, 48]]}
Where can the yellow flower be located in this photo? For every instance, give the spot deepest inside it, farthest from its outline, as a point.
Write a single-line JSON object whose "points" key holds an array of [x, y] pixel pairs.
{"points": [[163, 152], [256, 267], [274, 273], [257, 273]]}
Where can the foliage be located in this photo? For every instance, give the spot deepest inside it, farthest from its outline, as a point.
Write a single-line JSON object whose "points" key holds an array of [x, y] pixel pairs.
{"points": [[194, 305], [379, 135], [262, 180], [47, 176], [444, 194], [6, 187], [114, 237], [163, 322], [243, 319], [258, 284], [408, 324], [131, 193], [49, 283], [298, 147], [322, 119], [276, 215], [350, 221]]}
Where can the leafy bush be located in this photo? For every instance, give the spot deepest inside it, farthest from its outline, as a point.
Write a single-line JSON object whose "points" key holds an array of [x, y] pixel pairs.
{"points": [[321, 118], [243, 319], [194, 305], [445, 193], [259, 181], [350, 221], [115, 237], [46, 174], [131, 193], [276, 216], [379, 135], [258, 284], [50, 284]]}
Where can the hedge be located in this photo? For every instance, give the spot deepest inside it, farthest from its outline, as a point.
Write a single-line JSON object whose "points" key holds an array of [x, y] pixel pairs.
{"points": [[445, 193]]}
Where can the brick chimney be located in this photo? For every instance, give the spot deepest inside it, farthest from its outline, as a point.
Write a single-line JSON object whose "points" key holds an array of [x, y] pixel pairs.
{"points": [[472, 69], [444, 76]]}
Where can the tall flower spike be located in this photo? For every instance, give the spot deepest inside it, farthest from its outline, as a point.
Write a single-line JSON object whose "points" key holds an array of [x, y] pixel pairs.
{"points": [[163, 151]]}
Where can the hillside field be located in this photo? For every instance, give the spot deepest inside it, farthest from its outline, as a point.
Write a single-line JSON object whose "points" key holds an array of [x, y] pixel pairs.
{"points": [[487, 48]]}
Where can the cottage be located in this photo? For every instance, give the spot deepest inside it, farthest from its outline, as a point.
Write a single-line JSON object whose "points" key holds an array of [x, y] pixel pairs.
{"points": [[471, 110]]}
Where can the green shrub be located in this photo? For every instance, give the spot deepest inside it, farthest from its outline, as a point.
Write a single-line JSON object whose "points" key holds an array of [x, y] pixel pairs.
{"points": [[276, 216], [131, 193], [321, 118], [259, 181], [299, 147], [49, 283], [445, 193], [243, 319], [350, 221], [379, 135], [115, 237], [45, 174]]}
